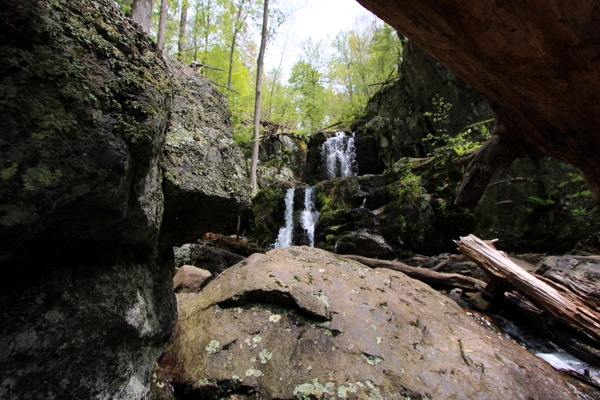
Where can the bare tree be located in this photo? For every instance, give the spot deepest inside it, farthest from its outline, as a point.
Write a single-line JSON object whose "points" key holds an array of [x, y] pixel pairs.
{"points": [[162, 25], [182, 28], [141, 12], [238, 24], [259, 70]]}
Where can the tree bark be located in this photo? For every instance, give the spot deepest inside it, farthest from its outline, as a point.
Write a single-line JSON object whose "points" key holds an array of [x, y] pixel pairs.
{"points": [[182, 28], [162, 25], [141, 12], [553, 297], [437, 280], [259, 68]]}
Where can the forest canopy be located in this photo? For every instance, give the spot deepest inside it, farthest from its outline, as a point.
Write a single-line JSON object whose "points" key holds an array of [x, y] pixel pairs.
{"points": [[330, 82]]}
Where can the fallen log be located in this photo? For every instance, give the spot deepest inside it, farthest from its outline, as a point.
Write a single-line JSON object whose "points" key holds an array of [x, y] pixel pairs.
{"points": [[437, 280], [550, 296], [233, 245]]}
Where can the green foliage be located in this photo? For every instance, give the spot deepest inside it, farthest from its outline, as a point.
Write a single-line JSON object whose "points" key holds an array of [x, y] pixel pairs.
{"points": [[446, 147], [125, 6], [272, 196], [331, 82], [310, 95]]}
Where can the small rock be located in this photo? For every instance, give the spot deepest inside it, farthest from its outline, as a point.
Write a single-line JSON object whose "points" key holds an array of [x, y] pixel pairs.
{"points": [[190, 279], [479, 302]]}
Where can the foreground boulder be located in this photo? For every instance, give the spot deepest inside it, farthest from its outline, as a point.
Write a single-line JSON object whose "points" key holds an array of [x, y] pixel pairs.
{"points": [[86, 299], [301, 323]]}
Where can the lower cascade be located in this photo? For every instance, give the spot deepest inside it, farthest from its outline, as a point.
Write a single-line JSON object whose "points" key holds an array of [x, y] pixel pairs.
{"points": [[309, 216], [305, 225], [339, 156], [284, 238]]}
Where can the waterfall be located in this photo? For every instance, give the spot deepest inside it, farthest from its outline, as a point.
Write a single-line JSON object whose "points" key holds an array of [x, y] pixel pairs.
{"points": [[309, 216], [284, 238], [339, 156]]}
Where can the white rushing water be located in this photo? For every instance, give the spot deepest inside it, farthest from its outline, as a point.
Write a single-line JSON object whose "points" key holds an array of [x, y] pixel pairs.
{"points": [[309, 216], [284, 238], [339, 156]]}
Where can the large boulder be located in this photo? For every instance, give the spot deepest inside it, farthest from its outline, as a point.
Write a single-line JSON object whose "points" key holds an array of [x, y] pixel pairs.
{"points": [[190, 279], [301, 323], [205, 178], [85, 105]]}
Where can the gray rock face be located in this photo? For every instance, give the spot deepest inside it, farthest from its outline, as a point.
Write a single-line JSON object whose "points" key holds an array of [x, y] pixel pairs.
{"points": [[86, 299], [205, 179], [301, 323]]}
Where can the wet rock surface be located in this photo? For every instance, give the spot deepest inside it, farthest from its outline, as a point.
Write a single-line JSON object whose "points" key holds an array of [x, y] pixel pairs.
{"points": [[299, 322]]}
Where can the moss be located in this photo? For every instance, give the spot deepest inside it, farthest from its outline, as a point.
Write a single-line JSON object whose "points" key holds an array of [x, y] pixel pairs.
{"points": [[7, 173], [40, 177]]}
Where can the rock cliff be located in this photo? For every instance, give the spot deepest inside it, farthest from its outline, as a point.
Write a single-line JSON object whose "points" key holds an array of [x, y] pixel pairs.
{"points": [[400, 115], [536, 62]]}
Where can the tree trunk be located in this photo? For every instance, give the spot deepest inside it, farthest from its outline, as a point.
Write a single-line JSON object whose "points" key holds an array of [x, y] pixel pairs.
{"points": [[141, 12], [238, 23], [182, 27], [259, 68], [162, 25], [206, 21]]}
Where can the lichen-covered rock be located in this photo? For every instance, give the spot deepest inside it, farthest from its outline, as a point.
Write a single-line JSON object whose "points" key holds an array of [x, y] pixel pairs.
{"points": [[86, 299], [269, 175], [285, 153], [205, 178], [84, 105], [301, 323]]}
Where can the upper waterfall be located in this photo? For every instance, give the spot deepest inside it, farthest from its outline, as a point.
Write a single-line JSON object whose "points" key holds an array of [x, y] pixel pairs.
{"points": [[339, 156]]}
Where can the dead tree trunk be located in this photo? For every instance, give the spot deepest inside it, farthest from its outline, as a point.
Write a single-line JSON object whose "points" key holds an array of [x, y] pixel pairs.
{"points": [[437, 280], [564, 305]]}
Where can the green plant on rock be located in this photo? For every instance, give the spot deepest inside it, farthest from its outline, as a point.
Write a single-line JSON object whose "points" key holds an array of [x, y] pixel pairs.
{"points": [[441, 115], [444, 146], [408, 188]]}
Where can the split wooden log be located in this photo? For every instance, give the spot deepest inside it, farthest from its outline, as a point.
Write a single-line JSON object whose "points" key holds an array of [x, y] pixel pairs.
{"points": [[437, 280], [550, 296]]}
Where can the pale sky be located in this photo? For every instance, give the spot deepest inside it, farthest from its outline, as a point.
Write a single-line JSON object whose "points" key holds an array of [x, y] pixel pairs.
{"points": [[319, 19]]}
